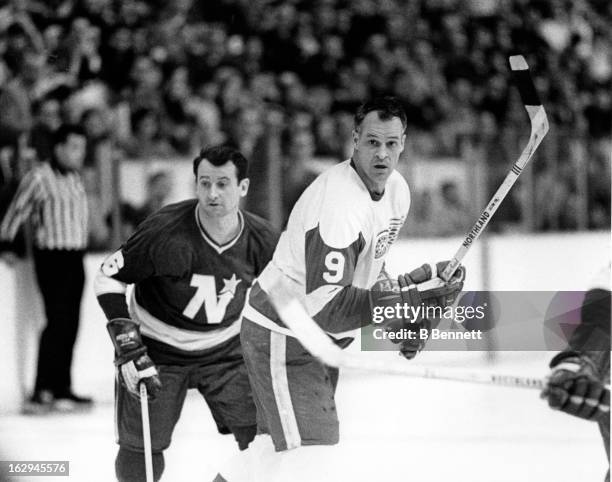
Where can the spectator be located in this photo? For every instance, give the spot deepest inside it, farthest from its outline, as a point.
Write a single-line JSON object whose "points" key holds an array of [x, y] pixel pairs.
{"points": [[79, 53], [199, 68], [97, 130], [21, 36], [246, 130], [298, 169], [117, 58], [47, 121], [146, 81], [159, 187], [15, 104], [327, 142], [147, 141], [180, 112], [421, 221], [450, 215], [598, 114]]}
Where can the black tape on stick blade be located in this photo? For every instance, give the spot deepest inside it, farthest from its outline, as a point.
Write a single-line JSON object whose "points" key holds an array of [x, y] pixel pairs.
{"points": [[522, 80]]}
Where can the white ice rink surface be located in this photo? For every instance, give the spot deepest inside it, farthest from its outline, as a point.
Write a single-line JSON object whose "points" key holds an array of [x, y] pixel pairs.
{"points": [[392, 429]]}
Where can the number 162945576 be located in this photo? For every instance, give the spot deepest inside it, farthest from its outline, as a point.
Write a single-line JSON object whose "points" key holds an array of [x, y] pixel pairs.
{"points": [[15, 468]]}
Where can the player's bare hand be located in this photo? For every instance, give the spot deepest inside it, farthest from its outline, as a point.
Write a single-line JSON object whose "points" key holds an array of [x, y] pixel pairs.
{"points": [[574, 386]]}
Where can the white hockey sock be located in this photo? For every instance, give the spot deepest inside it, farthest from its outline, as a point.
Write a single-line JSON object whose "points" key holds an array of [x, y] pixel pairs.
{"points": [[254, 464]]}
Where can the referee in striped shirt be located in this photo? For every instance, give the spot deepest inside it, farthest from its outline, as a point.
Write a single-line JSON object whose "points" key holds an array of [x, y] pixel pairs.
{"points": [[52, 195]]}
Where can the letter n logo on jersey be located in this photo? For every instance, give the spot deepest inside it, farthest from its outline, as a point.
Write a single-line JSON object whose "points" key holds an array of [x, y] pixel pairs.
{"points": [[206, 294]]}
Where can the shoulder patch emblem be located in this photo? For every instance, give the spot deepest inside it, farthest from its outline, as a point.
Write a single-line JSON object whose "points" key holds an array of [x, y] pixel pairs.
{"points": [[395, 224], [382, 244], [387, 237]]}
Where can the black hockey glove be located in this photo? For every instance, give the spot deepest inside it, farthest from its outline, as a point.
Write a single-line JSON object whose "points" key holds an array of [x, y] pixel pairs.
{"points": [[131, 359], [574, 386]]}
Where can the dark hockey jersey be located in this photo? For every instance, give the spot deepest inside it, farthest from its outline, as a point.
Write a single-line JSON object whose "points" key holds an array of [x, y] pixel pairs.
{"points": [[188, 291]]}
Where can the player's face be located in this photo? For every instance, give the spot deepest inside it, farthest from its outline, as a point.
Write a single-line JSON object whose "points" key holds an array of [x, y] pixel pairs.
{"points": [[218, 189], [377, 146]]}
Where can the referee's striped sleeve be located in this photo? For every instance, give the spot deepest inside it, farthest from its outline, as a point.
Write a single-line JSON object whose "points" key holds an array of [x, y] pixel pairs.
{"points": [[22, 205]]}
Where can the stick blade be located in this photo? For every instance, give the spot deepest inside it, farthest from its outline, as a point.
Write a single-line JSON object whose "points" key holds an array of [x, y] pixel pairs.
{"points": [[296, 318], [523, 81]]}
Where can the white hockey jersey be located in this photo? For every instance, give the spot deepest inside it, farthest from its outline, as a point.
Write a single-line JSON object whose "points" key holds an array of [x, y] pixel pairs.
{"points": [[333, 249]]}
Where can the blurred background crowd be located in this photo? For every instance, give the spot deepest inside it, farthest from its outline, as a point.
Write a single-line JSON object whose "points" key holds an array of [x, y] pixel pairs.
{"points": [[153, 79]]}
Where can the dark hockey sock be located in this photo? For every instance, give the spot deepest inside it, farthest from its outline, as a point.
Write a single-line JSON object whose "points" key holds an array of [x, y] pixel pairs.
{"points": [[130, 466]]}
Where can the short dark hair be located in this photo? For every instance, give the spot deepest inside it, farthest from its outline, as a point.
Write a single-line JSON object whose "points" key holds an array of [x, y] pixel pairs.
{"points": [[220, 155], [387, 107], [65, 130]]}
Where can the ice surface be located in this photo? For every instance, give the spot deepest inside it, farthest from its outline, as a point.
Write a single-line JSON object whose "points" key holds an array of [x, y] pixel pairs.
{"points": [[392, 428]]}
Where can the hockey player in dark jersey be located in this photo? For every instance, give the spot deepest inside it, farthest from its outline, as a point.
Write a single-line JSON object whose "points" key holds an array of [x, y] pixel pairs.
{"points": [[191, 264], [579, 381]]}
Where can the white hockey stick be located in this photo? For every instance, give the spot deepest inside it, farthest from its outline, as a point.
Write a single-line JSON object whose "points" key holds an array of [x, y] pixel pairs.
{"points": [[539, 128], [316, 341], [146, 431]]}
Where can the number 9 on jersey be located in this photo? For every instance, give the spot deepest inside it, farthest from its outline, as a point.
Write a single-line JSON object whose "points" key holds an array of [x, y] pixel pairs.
{"points": [[334, 262]]}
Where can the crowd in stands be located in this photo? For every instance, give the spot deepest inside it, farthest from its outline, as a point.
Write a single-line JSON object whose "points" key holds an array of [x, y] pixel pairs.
{"points": [[160, 79]]}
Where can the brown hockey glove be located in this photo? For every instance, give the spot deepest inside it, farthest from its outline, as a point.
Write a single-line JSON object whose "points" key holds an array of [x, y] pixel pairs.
{"points": [[575, 386], [424, 286], [387, 293], [419, 288]]}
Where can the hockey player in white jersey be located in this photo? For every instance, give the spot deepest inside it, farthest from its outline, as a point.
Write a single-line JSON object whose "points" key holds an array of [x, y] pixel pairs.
{"points": [[331, 258]]}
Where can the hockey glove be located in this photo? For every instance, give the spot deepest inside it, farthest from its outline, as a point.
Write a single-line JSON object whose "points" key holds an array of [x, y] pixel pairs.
{"points": [[131, 359], [423, 286], [411, 347], [386, 293], [574, 386]]}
